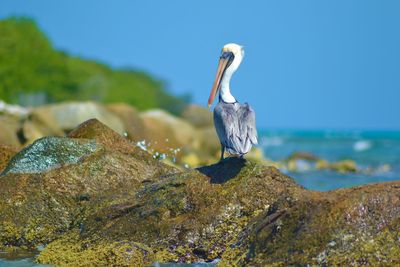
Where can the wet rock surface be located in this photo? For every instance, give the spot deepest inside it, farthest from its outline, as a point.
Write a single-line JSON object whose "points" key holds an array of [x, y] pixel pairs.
{"points": [[50, 153], [114, 204]]}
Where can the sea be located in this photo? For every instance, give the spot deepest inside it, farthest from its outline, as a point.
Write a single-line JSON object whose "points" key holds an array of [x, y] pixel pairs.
{"points": [[376, 153]]}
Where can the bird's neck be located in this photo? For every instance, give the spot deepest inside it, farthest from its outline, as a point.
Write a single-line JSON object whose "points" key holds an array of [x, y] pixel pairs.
{"points": [[224, 91]]}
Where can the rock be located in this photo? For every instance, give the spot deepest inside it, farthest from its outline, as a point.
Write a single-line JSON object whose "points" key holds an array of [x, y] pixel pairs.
{"points": [[198, 116], [39, 124], [256, 154], [30, 133], [69, 115], [129, 116], [344, 166], [116, 207], [346, 227], [191, 160], [165, 131], [188, 216], [6, 152], [322, 164], [47, 187], [209, 141], [303, 156], [94, 129], [301, 162], [15, 110], [9, 127], [50, 153], [304, 161]]}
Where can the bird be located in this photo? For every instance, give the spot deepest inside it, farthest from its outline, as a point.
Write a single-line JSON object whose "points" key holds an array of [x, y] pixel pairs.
{"points": [[234, 123]]}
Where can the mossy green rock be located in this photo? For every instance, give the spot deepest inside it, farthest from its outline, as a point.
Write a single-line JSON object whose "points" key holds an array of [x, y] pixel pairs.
{"points": [[50, 195], [117, 206]]}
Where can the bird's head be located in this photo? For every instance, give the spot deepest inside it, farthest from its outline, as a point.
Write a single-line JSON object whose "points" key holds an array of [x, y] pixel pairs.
{"points": [[230, 59]]}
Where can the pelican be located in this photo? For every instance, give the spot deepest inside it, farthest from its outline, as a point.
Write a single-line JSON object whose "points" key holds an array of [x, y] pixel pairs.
{"points": [[235, 123]]}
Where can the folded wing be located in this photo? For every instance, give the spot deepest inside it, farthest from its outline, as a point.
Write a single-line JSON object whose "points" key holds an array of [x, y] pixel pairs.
{"points": [[236, 127]]}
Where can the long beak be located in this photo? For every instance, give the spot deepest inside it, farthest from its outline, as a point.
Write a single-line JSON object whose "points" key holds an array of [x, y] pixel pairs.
{"points": [[224, 62]]}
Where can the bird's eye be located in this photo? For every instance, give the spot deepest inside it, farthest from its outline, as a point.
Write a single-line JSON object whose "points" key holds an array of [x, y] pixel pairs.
{"points": [[227, 55]]}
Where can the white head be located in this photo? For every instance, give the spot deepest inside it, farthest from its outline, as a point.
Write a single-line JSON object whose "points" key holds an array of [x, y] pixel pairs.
{"points": [[238, 54], [230, 59]]}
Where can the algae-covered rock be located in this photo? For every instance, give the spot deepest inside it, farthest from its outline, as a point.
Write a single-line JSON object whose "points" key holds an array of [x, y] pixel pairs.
{"points": [[344, 166], [6, 152], [184, 217], [117, 206], [344, 227], [47, 187], [305, 161], [302, 155]]}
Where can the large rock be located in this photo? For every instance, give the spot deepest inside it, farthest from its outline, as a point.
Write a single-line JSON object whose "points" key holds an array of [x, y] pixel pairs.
{"points": [[117, 206], [39, 124], [209, 140], [186, 217], [6, 152], [9, 128], [347, 227], [305, 161], [198, 116], [45, 187], [165, 131], [67, 116], [129, 116]]}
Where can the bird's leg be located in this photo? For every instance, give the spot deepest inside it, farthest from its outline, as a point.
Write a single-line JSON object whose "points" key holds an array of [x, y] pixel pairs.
{"points": [[222, 152]]}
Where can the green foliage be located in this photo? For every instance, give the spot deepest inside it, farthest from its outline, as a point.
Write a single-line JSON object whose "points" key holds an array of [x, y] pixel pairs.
{"points": [[32, 72]]}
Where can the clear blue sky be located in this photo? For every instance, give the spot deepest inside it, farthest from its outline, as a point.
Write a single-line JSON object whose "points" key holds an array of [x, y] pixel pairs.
{"points": [[308, 64]]}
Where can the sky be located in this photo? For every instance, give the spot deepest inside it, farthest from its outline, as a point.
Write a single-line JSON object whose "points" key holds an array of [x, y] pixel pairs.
{"points": [[309, 64]]}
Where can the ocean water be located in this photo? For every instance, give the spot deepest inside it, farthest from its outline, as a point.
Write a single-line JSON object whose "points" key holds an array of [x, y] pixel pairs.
{"points": [[373, 151], [28, 261]]}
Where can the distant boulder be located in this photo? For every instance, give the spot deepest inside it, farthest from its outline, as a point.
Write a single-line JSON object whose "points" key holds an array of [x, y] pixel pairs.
{"points": [[131, 120], [69, 115], [9, 127], [165, 131], [198, 116], [39, 124]]}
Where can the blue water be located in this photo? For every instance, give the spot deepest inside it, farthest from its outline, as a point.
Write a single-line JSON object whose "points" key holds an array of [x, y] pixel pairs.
{"points": [[28, 262], [370, 149]]}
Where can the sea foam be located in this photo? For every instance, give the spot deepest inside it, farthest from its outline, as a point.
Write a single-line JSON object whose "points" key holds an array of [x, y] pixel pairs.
{"points": [[362, 145]]}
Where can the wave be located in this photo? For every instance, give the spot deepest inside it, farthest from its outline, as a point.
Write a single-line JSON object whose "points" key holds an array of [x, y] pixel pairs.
{"points": [[362, 145]]}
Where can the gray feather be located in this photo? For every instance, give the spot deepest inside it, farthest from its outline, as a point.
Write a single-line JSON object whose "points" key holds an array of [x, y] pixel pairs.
{"points": [[236, 127]]}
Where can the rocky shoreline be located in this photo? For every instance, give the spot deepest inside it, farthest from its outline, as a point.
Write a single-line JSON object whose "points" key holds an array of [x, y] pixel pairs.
{"points": [[96, 198], [188, 141]]}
